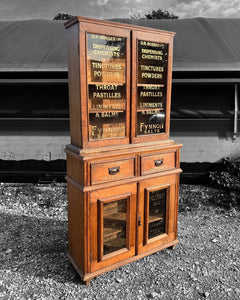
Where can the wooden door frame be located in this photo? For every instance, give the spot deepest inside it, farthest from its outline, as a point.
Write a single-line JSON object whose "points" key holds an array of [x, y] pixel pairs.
{"points": [[101, 29], [146, 241], [160, 38], [144, 187], [128, 192]]}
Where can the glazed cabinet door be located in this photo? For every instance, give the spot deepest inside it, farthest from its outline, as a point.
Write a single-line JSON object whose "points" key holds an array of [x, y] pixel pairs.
{"points": [[112, 225], [151, 85], [157, 212], [105, 84]]}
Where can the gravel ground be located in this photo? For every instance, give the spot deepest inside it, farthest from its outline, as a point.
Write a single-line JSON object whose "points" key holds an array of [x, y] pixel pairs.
{"points": [[33, 235]]}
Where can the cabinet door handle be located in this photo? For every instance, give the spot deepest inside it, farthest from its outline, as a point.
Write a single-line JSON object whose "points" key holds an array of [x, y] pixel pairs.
{"points": [[158, 162], [114, 170]]}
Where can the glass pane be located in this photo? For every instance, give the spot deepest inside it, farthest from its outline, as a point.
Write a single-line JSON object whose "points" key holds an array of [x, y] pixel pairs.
{"points": [[152, 62], [114, 226], [106, 125], [106, 97], [152, 80], [150, 122], [153, 97], [106, 73], [157, 213]]}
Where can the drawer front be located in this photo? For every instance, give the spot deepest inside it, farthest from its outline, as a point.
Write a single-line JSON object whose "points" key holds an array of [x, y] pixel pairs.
{"points": [[112, 170], [157, 162]]}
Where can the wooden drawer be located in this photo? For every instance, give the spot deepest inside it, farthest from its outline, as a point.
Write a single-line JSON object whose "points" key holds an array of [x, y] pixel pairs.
{"points": [[112, 170], [153, 163]]}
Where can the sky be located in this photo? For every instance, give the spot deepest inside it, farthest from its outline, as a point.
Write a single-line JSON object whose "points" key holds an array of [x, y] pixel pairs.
{"points": [[106, 9]]}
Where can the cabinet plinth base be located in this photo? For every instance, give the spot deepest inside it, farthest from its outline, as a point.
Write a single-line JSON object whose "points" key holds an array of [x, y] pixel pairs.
{"points": [[86, 277]]}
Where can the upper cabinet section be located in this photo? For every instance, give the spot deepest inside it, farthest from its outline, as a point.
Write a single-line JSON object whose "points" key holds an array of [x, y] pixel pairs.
{"points": [[119, 83]]}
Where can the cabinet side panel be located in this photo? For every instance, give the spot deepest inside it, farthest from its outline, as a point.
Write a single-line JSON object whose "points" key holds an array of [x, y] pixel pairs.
{"points": [[75, 168], [74, 85], [169, 86], [176, 204], [76, 232]]}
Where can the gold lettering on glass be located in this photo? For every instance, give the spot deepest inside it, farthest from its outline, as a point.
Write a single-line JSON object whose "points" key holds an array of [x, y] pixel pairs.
{"points": [[106, 59], [152, 82]]}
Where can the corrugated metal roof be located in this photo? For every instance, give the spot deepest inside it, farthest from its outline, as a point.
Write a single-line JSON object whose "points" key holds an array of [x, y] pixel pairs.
{"points": [[200, 44], [33, 45]]}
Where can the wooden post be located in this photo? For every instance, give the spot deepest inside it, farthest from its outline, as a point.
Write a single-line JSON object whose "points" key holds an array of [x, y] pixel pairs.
{"points": [[235, 112]]}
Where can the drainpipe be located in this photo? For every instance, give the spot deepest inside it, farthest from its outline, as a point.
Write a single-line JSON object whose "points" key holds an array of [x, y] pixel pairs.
{"points": [[235, 113]]}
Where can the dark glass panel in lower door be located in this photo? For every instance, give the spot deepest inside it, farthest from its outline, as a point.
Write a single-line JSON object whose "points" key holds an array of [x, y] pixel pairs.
{"points": [[157, 213]]}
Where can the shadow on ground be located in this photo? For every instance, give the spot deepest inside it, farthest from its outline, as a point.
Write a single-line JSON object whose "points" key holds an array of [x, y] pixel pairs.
{"points": [[35, 246]]}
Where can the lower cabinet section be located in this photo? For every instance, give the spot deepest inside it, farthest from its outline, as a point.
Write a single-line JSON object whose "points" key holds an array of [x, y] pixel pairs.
{"points": [[121, 223]]}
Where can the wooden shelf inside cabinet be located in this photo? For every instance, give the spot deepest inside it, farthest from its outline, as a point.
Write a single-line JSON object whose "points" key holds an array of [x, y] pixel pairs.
{"points": [[106, 83], [150, 85], [109, 232], [115, 243], [152, 219], [150, 109], [116, 217], [94, 111]]}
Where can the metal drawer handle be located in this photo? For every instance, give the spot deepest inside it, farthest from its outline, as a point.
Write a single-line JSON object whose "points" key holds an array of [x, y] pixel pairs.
{"points": [[158, 162], [114, 170]]}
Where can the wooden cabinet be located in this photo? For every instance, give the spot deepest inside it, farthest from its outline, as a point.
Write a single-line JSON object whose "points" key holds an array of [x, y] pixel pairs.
{"points": [[122, 169]]}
